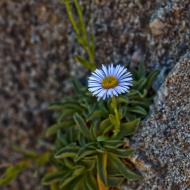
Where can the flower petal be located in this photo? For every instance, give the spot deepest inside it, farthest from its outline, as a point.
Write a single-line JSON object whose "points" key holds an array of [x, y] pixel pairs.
{"points": [[120, 72]]}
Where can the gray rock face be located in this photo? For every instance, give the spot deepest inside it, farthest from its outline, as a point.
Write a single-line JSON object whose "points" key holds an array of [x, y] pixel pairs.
{"points": [[164, 138]]}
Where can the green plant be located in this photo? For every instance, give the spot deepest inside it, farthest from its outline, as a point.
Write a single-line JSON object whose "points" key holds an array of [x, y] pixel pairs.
{"points": [[30, 160], [89, 153], [84, 38]]}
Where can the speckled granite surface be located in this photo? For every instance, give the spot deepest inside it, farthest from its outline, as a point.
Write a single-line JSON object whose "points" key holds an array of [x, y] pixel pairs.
{"points": [[164, 138], [37, 45]]}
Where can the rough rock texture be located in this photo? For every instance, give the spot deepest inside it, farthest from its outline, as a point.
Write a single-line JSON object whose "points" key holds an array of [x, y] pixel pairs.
{"points": [[164, 138], [157, 31], [37, 45]]}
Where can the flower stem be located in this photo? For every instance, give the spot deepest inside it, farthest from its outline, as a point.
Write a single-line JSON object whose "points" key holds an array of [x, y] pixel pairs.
{"points": [[117, 117]]}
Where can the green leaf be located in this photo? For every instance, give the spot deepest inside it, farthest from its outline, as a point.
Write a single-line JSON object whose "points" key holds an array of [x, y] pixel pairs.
{"points": [[114, 143], [139, 85], [53, 129], [123, 100], [105, 126], [120, 152], [87, 150], [81, 125], [81, 20], [65, 114], [135, 94], [25, 152], [69, 163], [92, 44], [68, 151], [97, 114], [89, 163], [54, 186], [102, 167], [71, 135], [78, 87], [71, 16], [76, 184], [130, 127], [122, 168], [13, 171], [83, 61], [90, 182], [114, 181], [151, 77], [141, 70], [102, 138], [53, 177], [69, 178], [81, 34], [65, 105], [112, 119], [43, 159], [143, 103], [61, 139], [74, 106], [93, 131], [138, 109]]}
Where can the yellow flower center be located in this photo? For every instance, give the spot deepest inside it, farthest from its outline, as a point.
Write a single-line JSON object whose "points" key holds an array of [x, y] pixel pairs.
{"points": [[109, 82]]}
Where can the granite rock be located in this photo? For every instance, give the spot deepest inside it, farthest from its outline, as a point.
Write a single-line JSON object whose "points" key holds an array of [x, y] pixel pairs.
{"points": [[163, 140]]}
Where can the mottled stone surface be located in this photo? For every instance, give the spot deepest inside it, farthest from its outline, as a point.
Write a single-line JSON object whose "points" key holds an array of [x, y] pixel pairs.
{"points": [[37, 45], [164, 137]]}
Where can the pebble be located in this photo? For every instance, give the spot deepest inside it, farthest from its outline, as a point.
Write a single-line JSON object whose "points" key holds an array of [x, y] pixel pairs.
{"points": [[157, 27]]}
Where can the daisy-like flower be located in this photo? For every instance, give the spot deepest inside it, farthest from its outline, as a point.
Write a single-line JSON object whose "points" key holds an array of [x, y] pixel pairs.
{"points": [[109, 81]]}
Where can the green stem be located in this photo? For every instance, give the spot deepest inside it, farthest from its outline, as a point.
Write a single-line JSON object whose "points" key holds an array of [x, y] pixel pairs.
{"points": [[81, 33], [117, 117]]}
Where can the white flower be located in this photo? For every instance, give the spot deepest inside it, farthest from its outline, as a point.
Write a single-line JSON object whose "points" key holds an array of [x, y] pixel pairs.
{"points": [[109, 81]]}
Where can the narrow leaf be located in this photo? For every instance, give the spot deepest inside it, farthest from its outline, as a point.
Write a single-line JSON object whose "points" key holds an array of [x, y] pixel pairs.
{"points": [[130, 127], [123, 169], [83, 61], [81, 125], [77, 172], [53, 177], [53, 129], [85, 151], [97, 114], [105, 127], [138, 109], [91, 183], [68, 151], [115, 181], [102, 167], [120, 152], [13, 171], [151, 77]]}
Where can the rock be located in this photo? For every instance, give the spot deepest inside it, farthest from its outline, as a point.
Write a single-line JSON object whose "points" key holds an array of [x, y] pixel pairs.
{"points": [[137, 58], [163, 141], [157, 27]]}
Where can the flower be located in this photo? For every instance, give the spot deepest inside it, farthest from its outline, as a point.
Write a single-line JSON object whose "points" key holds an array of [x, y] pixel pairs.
{"points": [[109, 81]]}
